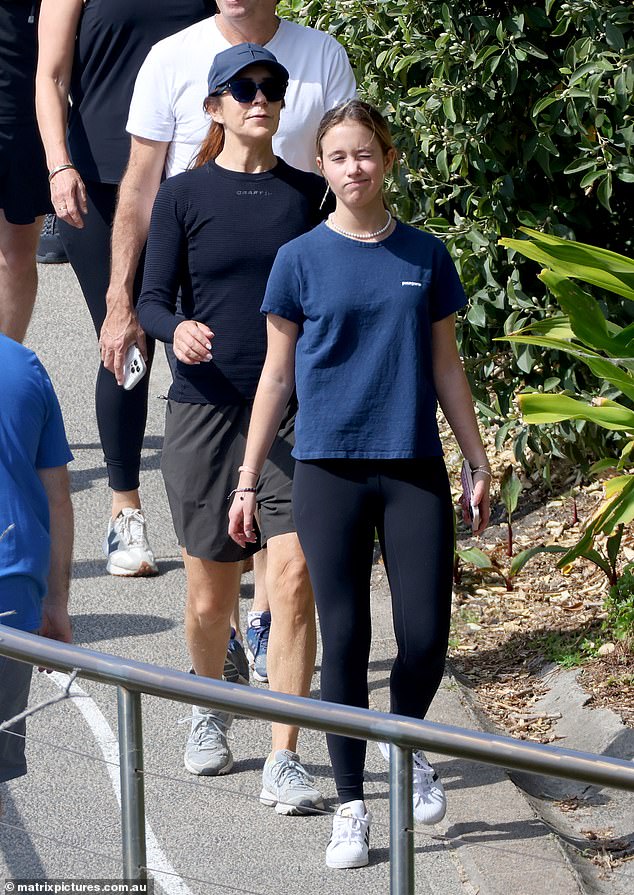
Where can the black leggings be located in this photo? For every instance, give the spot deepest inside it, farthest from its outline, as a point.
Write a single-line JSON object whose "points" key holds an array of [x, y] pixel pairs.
{"points": [[338, 505], [121, 415]]}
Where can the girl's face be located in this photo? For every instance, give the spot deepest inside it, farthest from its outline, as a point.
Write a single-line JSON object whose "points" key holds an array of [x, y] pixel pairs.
{"points": [[255, 120], [353, 163]]}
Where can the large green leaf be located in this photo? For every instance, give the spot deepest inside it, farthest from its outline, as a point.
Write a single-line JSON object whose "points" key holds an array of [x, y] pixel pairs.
{"points": [[540, 408], [602, 367], [518, 562], [510, 490], [476, 557], [600, 267], [551, 327], [616, 509], [585, 316]]}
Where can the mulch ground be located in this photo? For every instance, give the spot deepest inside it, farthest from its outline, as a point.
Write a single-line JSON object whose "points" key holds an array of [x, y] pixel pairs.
{"points": [[502, 641]]}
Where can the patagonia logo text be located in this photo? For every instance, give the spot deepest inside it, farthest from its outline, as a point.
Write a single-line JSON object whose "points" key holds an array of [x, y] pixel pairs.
{"points": [[410, 283]]}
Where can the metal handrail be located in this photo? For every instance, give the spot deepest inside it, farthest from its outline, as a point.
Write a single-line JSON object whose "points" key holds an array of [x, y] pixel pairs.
{"points": [[404, 735]]}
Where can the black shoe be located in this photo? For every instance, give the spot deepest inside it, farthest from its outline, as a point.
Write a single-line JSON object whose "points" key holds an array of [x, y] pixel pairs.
{"points": [[50, 249]]}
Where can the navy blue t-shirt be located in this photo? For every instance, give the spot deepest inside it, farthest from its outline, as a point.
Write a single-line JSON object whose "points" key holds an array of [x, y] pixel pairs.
{"points": [[363, 362], [32, 437]]}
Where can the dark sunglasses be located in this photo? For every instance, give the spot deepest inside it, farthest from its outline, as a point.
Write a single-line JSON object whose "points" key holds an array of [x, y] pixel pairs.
{"points": [[244, 90]]}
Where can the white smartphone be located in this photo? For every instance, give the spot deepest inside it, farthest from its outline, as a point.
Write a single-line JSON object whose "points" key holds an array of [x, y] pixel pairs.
{"points": [[134, 367]]}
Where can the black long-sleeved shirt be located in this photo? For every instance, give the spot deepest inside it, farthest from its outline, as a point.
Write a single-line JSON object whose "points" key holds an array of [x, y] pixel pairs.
{"points": [[214, 234]]}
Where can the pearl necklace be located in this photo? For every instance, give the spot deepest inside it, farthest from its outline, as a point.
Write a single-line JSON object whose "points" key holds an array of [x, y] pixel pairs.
{"points": [[361, 235]]}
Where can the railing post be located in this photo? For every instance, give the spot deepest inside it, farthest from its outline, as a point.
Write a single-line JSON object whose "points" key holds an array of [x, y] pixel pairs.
{"points": [[401, 822], [132, 794]]}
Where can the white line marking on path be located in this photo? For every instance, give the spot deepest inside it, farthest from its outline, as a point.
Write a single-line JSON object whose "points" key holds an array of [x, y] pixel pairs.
{"points": [[109, 745]]}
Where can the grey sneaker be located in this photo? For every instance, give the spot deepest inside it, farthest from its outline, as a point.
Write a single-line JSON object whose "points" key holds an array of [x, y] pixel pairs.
{"points": [[288, 786], [207, 751], [126, 546]]}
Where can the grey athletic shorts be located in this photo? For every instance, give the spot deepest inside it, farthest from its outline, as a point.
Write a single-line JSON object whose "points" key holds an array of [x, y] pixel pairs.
{"points": [[204, 445], [14, 695]]}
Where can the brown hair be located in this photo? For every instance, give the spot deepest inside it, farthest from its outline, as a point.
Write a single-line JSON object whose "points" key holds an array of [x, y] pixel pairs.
{"points": [[214, 142], [365, 114], [361, 112]]}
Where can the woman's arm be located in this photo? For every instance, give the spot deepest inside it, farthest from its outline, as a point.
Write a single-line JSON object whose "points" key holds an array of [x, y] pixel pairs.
{"points": [[56, 35], [165, 257], [456, 401], [274, 391]]}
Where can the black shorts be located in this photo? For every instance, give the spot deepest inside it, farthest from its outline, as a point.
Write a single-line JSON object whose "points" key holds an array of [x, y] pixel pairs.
{"points": [[24, 188], [204, 445]]}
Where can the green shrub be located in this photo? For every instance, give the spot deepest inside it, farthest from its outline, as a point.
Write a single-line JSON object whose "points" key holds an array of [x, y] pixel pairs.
{"points": [[505, 113], [620, 605]]}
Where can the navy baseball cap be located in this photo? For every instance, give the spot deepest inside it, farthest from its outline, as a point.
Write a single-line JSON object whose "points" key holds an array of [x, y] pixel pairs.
{"points": [[230, 63]]}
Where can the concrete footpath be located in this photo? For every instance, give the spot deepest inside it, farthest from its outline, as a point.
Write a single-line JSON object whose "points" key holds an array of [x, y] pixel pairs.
{"points": [[207, 835]]}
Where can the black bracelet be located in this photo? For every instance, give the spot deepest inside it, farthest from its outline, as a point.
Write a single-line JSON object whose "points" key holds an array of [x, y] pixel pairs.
{"points": [[239, 490]]}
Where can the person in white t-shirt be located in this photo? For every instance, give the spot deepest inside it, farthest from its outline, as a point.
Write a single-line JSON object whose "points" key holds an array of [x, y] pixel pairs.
{"points": [[167, 123]]}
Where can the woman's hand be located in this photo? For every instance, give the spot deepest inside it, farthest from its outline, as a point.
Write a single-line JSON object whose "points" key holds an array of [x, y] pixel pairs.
{"points": [[481, 499], [242, 518], [192, 342], [120, 330], [68, 195]]}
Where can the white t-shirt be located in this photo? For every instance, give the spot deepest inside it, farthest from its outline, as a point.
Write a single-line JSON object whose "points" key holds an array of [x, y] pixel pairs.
{"points": [[171, 87]]}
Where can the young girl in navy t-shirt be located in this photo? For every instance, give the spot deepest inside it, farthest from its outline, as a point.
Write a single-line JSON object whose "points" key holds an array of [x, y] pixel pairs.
{"points": [[361, 318]]}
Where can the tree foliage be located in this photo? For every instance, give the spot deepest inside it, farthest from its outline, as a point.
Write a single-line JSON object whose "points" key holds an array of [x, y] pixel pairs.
{"points": [[504, 114]]}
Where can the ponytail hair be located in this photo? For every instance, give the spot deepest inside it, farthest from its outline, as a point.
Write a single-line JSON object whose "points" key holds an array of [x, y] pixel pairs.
{"points": [[214, 142]]}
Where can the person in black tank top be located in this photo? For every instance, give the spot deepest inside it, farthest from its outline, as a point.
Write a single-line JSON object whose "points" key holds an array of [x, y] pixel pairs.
{"points": [[24, 197], [106, 42]]}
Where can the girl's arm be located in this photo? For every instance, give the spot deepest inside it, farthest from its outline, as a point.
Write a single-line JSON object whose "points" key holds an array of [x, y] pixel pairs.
{"points": [[456, 401], [275, 387], [56, 36]]}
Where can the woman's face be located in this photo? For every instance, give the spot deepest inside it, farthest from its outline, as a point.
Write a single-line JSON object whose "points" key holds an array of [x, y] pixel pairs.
{"points": [[255, 120], [354, 164]]}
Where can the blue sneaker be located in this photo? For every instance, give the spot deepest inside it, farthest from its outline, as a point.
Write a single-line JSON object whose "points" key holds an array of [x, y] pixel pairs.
{"points": [[50, 249], [236, 669], [257, 644]]}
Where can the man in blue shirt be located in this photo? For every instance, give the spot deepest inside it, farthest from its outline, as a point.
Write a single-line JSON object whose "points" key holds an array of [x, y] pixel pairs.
{"points": [[36, 528]]}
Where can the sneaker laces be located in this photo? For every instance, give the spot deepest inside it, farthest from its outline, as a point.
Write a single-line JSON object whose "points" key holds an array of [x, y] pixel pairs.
{"points": [[292, 772], [262, 634], [131, 527], [424, 774], [206, 724], [49, 227], [348, 828]]}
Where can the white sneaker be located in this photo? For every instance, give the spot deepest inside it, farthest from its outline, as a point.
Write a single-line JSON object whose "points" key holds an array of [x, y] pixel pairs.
{"points": [[126, 545], [430, 801], [350, 840]]}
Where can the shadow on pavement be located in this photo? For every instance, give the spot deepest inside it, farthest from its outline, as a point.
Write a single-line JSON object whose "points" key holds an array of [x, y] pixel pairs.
{"points": [[89, 628]]}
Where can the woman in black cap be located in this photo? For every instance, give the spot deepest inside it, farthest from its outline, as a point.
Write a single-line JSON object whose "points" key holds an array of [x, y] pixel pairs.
{"points": [[214, 234]]}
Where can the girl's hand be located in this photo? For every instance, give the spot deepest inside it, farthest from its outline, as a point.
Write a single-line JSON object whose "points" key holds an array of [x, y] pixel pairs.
{"points": [[192, 342], [481, 499], [242, 518]]}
